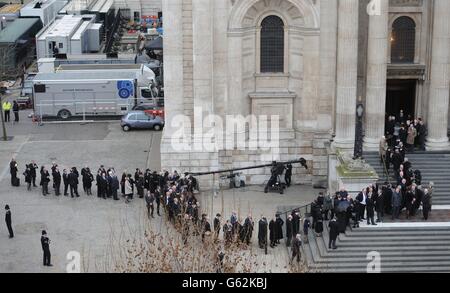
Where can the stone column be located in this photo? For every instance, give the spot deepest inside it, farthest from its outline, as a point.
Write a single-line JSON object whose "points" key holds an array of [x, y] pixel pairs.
{"points": [[439, 88], [173, 64], [376, 77], [171, 156], [347, 70], [328, 52]]}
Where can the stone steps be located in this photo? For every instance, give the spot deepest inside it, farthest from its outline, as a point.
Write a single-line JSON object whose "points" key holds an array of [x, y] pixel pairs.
{"points": [[409, 249], [434, 167]]}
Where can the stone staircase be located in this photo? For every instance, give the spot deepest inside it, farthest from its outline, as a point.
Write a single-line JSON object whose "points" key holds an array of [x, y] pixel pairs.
{"points": [[434, 166], [402, 250]]}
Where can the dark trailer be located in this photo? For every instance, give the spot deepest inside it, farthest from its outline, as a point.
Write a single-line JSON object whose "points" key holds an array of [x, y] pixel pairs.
{"points": [[17, 46]]}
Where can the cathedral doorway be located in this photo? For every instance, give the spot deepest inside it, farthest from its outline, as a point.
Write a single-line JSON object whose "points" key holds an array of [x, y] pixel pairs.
{"points": [[401, 95]]}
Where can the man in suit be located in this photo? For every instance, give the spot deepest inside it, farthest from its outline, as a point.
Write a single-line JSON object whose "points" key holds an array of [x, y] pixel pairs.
{"points": [[45, 242], [8, 221], [33, 168], [57, 181], [66, 181], [73, 182]]}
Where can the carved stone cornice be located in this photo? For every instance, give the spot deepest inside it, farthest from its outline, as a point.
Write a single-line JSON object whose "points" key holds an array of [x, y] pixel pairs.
{"points": [[406, 71], [403, 3]]}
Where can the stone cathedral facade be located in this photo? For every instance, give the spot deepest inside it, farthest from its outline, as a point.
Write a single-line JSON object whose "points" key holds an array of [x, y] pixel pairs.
{"points": [[310, 62]]}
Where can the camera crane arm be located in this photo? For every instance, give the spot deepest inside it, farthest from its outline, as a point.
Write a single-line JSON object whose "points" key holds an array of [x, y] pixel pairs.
{"points": [[301, 161]]}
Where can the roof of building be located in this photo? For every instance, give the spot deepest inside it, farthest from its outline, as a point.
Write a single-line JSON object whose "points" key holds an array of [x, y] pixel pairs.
{"points": [[82, 76], [81, 67], [80, 31], [10, 8], [65, 26], [44, 3], [16, 29]]}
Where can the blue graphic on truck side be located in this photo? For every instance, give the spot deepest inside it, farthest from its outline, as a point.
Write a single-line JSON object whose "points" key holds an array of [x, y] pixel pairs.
{"points": [[126, 89]]}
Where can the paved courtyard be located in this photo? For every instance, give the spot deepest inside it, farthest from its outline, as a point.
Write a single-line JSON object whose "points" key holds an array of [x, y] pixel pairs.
{"points": [[87, 224]]}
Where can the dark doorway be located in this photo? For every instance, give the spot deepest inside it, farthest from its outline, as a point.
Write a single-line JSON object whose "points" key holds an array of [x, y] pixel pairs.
{"points": [[401, 95]]}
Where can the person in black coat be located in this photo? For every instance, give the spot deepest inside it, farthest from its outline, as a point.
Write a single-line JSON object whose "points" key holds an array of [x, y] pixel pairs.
{"points": [[295, 222], [114, 186], [397, 160], [45, 180], [426, 204], [83, 176], [273, 233], [102, 184], [288, 175], [45, 242], [88, 178], [140, 185], [379, 205], [334, 233], [149, 200], [248, 228], [73, 182], [370, 207], [27, 175], [33, 168], [279, 228], [9, 221], [216, 224], [65, 177], [296, 248], [16, 110], [289, 230], [262, 232], [158, 200], [319, 225], [206, 228], [13, 171], [122, 183], [57, 181]]}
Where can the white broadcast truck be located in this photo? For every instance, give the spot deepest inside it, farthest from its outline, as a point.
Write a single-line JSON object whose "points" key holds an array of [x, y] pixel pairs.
{"points": [[70, 93]]}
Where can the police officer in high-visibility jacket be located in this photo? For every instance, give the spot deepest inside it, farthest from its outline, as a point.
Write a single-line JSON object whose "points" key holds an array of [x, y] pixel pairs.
{"points": [[7, 106]]}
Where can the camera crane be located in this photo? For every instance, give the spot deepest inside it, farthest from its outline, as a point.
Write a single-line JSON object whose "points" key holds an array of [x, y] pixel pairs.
{"points": [[277, 171]]}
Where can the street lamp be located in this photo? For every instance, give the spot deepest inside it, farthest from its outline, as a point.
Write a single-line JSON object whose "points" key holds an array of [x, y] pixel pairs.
{"points": [[2, 92], [358, 153]]}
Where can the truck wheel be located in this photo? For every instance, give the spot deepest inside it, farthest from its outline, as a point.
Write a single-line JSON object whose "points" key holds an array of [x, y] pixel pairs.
{"points": [[126, 128], [64, 114], [157, 127]]}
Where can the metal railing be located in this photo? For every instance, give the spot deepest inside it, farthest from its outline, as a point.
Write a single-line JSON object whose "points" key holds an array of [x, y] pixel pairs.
{"points": [[386, 171]]}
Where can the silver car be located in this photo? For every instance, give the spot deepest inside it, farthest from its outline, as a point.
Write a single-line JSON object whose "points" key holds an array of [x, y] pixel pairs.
{"points": [[141, 120]]}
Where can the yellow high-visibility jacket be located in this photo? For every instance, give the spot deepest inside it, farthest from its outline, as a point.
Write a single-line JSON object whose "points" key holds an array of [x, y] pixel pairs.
{"points": [[7, 106]]}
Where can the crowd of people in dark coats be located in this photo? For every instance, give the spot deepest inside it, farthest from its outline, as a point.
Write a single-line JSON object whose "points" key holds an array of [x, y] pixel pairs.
{"points": [[410, 132]]}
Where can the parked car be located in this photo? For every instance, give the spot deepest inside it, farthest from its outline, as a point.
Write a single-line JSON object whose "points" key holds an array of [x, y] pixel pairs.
{"points": [[141, 120], [150, 109]]}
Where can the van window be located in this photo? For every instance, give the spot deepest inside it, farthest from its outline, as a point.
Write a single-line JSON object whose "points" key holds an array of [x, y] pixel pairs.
{"points": [[146, 93]]}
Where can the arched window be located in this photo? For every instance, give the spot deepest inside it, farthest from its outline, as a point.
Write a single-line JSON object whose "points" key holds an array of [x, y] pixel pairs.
{"points": [[403, 40], [272, 44]]}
